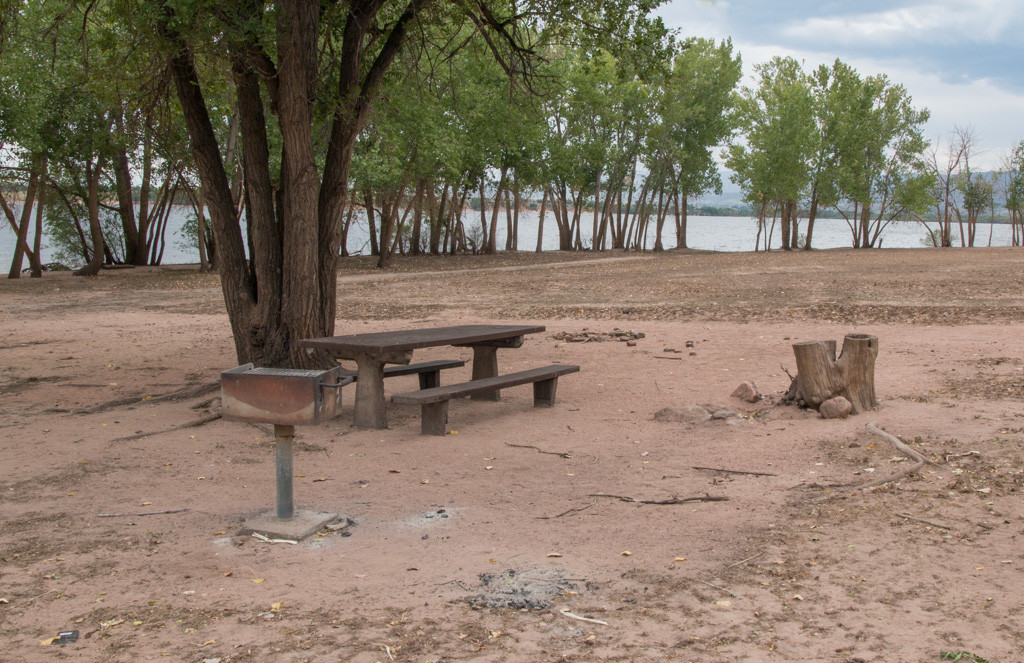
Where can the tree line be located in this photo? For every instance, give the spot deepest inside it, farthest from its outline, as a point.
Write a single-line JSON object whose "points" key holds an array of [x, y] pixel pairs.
{"points": [[283, 123]]}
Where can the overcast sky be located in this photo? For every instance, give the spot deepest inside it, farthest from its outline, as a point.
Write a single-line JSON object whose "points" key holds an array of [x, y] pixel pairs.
{"points": [[961, 59]]}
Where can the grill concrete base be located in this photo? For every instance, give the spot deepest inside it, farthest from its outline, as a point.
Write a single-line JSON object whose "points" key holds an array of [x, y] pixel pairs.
{"points": [[298, 527]]}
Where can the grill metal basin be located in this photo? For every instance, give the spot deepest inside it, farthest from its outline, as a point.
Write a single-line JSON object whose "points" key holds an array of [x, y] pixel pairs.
{"points": [[283, 396]]}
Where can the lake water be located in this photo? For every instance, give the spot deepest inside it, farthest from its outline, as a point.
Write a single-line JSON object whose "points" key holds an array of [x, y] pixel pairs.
{"points": [[715, 233]]}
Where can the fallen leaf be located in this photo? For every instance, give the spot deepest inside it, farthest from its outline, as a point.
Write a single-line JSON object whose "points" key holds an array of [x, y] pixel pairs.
{"points": [[257, 580], [798, 597], [299, 476], [489, 467], [551, 555], [276, 607], [111, 623], [679, 559], [625, 553], [394, 471], [228, 574], [208, 642], [49, 641], [319, 479], [723, 603], [146, 503], [425, 481], [137, 623]]}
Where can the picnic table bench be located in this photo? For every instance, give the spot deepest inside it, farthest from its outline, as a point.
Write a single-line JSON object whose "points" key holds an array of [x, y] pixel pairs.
{"points": [[433, 402]]}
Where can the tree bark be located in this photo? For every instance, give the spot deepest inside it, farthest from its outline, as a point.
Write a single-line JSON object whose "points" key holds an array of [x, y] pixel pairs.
{"points": [[21, 243], [92, 176], [821, 376]]}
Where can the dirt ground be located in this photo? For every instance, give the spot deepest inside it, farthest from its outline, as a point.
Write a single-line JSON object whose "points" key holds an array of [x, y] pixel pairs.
{"points": [[513, 538]]}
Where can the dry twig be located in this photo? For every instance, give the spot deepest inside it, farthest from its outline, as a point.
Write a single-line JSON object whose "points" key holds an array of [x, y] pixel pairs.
{"points": [[672, 500], [565, 611], [562, 454], [565, 513], [140, 513], [744, 561], [719, 469], [922, 520]]}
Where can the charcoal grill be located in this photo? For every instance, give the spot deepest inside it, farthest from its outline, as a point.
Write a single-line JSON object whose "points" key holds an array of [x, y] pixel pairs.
{"points": [[284, 397]]}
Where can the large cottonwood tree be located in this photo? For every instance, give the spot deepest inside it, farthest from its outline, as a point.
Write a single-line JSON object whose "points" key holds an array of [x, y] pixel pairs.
{"points": [[306, 69]]}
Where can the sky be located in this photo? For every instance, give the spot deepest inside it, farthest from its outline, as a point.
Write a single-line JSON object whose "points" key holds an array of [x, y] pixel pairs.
{"points": [[961, 59]]}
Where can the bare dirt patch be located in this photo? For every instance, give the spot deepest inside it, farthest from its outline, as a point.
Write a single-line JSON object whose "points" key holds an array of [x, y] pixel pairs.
{"points": [[510, 540]]}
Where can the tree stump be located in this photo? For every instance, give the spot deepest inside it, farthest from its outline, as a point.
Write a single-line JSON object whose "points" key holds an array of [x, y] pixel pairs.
{"points": [[821, 376]]}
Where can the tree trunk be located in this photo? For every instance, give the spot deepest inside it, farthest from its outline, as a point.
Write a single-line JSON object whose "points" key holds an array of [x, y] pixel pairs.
{"points": [[811, 215], [820, 376], [125, 199], [92, 176], [35, 259], [21, 243], [540, 221], [682, 211], [786, 219]]}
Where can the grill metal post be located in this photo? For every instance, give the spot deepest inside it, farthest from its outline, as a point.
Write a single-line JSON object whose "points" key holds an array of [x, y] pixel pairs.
{"points": [[283, 436]]}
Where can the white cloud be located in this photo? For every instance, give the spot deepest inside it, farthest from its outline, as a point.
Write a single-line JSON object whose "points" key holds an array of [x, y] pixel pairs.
{"points": [[984, 21]]}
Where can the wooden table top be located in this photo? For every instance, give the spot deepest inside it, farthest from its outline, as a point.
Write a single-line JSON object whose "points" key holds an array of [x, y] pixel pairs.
{"points": [[411, 339]]}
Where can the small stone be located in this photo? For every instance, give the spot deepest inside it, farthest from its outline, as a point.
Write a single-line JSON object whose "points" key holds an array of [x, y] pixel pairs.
{"points": [[747, 391], [631, 344], [689, 344], [836, 408]]}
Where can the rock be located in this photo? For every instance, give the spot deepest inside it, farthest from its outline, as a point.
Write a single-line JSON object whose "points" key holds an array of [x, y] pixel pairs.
{"points": [[688, 414], [631, 344], [723, 414], [689, 344], [836, 408], [747, 391]]}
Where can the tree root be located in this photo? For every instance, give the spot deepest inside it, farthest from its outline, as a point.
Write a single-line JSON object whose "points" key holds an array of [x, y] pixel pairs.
{"points": [[205, 419], [185, 393]]}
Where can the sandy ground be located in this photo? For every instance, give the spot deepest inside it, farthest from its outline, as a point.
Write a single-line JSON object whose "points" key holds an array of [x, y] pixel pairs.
{"points": [[472, 546]]}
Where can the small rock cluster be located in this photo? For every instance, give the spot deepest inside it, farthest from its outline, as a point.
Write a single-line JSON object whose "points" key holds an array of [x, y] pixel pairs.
{"points": [[587, 336], [696, 414]]}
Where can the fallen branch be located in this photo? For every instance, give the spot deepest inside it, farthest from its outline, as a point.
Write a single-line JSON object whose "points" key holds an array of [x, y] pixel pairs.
{"points": [[903, 449], [669, 358], [140, 513], [562, 454], [719, 469], [672, 500], [922, 520], [565, 611], [205, 419]]}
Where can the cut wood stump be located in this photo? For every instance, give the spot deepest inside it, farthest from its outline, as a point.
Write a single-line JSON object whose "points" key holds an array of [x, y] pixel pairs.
{"points": [[821, 376]]}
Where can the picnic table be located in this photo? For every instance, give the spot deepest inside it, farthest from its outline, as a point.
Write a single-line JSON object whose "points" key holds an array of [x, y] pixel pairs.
{"points": [[371, 351]]}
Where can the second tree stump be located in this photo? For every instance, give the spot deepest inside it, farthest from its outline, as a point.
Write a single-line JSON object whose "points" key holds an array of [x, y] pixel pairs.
{"points": [[821, 376]]}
